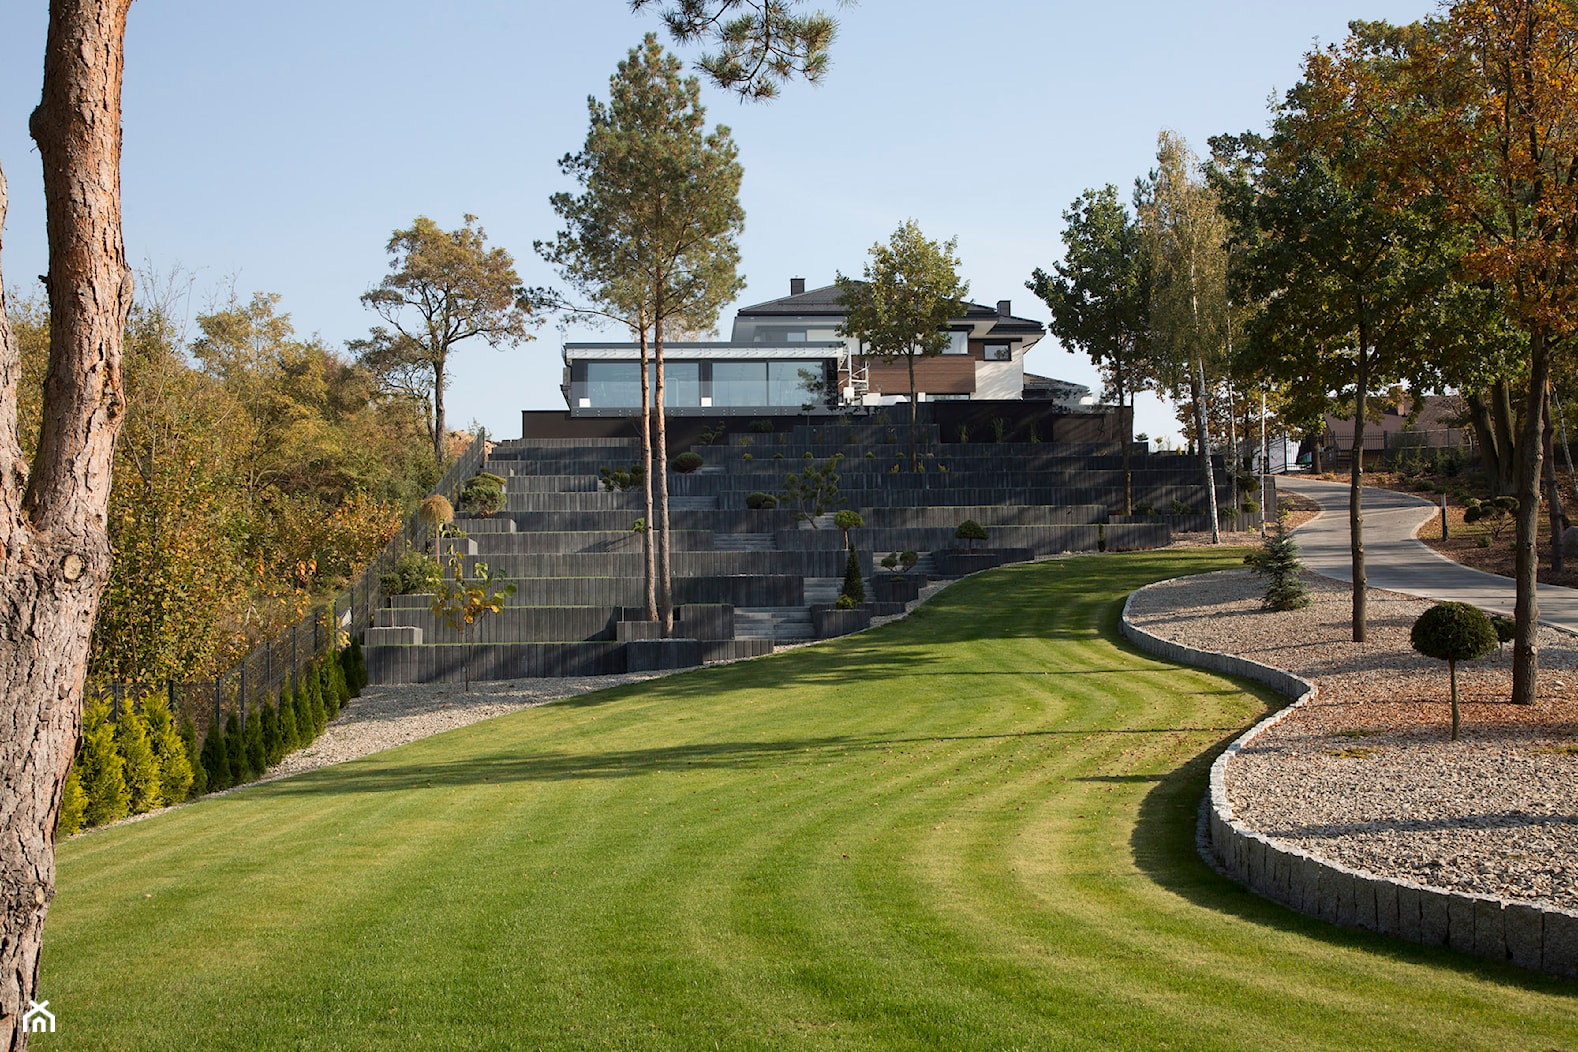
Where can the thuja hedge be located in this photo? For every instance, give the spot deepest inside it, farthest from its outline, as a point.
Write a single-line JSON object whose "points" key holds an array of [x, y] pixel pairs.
{"points": [[141, 760]]}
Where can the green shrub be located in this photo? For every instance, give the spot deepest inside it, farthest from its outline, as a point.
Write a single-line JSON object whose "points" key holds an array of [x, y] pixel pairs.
{"points": [[194, 758], [273, 744], [305, 731], [355, 666], [256, 745], [759, 501], [215, 759], [73, 805], [103, 774], [139, 768], [236, 750], [289, 734], [170, 749], [1178, 507], [846, 602], [854, 588], [483, 495], [760, 427], [686, 462], [1278, 559], [1250, 506], [1453, 632], [413, 574], [315, 707], [1506, 628], [622, 479], [970, 531]]}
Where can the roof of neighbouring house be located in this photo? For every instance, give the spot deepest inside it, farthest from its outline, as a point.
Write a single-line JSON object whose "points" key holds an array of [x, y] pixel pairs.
{"points": [[829, 301]]}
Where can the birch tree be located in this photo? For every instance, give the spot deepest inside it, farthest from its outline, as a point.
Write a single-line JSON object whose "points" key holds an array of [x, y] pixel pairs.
{"points": [[1185, 235]]}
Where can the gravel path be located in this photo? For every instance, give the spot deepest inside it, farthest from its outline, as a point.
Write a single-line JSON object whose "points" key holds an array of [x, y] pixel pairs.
{"points": [[1365, 775]]}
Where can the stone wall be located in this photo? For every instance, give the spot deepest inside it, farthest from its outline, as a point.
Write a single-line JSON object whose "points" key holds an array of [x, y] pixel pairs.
{"points": [[1530, 936]]}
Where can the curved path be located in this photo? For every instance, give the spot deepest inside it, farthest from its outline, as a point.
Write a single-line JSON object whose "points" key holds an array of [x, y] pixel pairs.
{"points": [[1398, 562]]}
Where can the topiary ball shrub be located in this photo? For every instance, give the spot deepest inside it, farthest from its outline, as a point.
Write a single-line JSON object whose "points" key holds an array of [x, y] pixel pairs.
{"points": [[760, 427], [483, 495], [1506, 628], [1453, 632], [970, 531], [759, 501], [686, 462]]}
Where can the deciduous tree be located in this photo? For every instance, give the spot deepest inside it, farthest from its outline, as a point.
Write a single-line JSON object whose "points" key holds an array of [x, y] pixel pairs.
{"points": [[443, 287], [1478, 108], [1186, 235], [910, 292], [1100, 298]]}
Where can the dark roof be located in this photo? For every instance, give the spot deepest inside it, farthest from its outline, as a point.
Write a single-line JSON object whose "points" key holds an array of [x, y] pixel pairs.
{"points": [[827, 300]]}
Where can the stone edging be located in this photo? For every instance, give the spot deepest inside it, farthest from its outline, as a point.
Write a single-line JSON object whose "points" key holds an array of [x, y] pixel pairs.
{"points": [[1528, 935]]}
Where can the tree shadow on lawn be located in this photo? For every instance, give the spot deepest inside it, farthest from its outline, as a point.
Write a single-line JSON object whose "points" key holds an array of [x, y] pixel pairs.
{"points": [[1164, 847]]}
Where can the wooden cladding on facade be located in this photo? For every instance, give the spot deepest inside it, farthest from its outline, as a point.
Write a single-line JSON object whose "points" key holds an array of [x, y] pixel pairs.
{"points": [[947, 374]]}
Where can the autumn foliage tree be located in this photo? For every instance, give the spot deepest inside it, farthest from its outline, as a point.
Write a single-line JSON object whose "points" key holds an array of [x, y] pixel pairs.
{"points": [[1478, 107], [443, 287]]}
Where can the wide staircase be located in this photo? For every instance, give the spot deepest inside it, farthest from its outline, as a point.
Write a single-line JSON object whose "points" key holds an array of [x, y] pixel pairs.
{"points": [[747, 579]]}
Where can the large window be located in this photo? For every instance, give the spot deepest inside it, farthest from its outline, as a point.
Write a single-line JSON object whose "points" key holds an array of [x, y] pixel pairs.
{"points": [[681, 385], [613, 385], [739, 384]]}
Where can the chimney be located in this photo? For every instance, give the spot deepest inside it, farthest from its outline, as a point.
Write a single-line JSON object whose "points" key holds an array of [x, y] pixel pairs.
{"points": [[796, 286], [1005, 308]]}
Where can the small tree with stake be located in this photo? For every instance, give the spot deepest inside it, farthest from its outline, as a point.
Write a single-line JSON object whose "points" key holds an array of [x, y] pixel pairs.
{"points": [[461, 602], [1453, 632]]}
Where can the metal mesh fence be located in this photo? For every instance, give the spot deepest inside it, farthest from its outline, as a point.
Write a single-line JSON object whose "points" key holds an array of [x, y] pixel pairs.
{"points": [[279, 662]]}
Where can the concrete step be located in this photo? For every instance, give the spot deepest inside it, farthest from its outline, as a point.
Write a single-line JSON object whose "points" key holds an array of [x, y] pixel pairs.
{"points": [[822, 590], [744, 542], [692, 503]]}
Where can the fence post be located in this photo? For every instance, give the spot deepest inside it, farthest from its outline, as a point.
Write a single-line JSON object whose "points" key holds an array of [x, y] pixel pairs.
{"points": [[241, 699]]}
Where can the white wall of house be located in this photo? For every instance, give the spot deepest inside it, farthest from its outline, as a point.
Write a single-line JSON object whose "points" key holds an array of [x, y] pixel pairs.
{"points": [[1000, 380]]}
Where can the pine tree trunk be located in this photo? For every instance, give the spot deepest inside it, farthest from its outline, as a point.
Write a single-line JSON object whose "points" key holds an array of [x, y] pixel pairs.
{"points": [[665, 570], [56, 554], [649, 523], [1525, 648]]}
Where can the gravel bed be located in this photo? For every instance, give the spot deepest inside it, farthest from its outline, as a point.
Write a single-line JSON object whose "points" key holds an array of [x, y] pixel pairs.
{"points": [[1366, 774]]}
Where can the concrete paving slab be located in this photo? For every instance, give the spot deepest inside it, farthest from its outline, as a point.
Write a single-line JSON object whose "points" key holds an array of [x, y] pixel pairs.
{"points": [[1397, 562]]}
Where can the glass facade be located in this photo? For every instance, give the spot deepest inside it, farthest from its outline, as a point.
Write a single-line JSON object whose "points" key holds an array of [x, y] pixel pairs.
{"points": [[759, 384]]}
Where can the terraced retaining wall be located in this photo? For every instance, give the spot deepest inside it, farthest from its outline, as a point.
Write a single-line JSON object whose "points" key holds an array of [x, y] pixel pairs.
{"points": [[1540, 938]]}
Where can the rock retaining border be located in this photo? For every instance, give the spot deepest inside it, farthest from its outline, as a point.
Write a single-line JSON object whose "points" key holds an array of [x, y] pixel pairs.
{"points": [[1523, 933]]}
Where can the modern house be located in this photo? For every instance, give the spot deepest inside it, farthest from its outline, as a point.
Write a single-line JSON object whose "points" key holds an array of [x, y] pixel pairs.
{"points": [[786, 355]]}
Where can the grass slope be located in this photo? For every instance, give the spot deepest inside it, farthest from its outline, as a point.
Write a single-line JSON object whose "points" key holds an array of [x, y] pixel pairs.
{"points": [[969, 830]]}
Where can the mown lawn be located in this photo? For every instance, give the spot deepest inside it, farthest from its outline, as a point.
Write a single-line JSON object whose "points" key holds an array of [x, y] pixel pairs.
{"points": [[969, 830]]}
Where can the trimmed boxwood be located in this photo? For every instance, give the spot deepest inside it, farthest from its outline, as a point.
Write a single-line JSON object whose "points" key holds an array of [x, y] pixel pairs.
{"points": [[1453, 632], [686, 462]]}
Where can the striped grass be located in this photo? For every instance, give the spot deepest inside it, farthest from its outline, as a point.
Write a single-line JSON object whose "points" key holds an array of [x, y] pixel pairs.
{"points": [[972, 829]]}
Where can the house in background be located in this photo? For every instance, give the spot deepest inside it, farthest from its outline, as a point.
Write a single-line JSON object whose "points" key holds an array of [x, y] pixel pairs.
{"points": [[785, 355]]}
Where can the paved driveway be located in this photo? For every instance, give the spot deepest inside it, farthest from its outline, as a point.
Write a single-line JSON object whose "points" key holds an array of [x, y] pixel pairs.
{"points": [[1396, 562]]}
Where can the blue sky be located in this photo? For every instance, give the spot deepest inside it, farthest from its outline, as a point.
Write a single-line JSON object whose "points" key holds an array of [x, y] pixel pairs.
{"points": [[275, 147]]}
